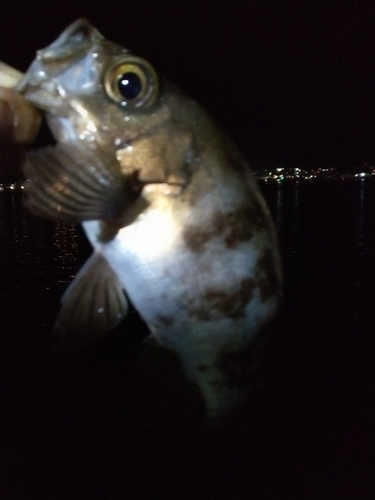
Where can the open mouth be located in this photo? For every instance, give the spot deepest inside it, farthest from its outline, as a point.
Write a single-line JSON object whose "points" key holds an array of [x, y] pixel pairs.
{"points": [[44, 136]]}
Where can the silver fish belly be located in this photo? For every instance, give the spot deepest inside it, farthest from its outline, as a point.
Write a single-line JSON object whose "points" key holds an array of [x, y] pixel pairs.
{"points": [[169, 205]]}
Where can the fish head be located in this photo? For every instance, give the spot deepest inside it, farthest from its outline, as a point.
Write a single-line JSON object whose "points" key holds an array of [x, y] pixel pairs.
{"points": [[98, 95]]}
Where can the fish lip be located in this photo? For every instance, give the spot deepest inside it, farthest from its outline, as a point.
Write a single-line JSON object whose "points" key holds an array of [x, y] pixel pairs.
{"points": [[24, 83], [40, 98], [41, 74]]}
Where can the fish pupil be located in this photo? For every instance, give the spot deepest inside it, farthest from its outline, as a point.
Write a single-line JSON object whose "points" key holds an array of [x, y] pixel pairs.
{"points": [[129, 85]]}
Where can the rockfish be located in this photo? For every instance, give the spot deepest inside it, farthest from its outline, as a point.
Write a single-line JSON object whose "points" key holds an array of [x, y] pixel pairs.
{"points": [[170, 206]]}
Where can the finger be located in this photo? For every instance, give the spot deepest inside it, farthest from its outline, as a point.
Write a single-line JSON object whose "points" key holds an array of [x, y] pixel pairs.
{"points": [[19, 120]]}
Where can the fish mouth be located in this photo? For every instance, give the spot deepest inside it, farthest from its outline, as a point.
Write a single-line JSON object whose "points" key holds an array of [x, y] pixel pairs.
{"points": [[40, 84], [44, 137], [72, 44]]}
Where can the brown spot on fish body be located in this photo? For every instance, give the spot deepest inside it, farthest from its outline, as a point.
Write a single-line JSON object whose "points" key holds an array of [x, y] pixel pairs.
{"points": [[239, 230], [233, 227], [165, 320], [228, 303], [196, 238]]}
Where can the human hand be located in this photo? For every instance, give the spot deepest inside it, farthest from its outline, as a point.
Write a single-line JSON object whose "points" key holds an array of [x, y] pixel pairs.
{"points": [[19, 120]]}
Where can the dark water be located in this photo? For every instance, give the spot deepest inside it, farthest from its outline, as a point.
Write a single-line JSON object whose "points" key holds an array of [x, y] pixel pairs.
{"points": [[63, 424], [327, 236]]}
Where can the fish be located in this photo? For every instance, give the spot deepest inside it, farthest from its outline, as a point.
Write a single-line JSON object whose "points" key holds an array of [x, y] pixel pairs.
{"points": [[169, 204]]}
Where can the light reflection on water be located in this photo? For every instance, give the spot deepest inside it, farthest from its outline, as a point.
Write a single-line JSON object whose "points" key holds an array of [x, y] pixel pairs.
{"points": [[34, 254], [22, 243], [327, 236], [365, 251], [65, 240], [292, 219], [295, 244]]}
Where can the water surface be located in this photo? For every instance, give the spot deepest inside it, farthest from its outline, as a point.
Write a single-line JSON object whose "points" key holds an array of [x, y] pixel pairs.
{"points": [[65, 426]]}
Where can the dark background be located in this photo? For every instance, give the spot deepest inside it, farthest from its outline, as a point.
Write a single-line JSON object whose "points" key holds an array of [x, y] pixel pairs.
{"points": [[292, 81]]}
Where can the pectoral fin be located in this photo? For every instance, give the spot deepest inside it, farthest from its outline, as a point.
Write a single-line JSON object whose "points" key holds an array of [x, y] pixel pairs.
{"points": [[93, 304], [74, 184]]}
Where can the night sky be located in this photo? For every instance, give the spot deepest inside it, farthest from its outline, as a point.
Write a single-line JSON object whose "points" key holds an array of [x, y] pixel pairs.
{"points": [[293, 82]]}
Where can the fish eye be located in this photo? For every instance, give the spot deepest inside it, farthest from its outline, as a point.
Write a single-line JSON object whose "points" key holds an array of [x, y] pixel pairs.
{"points": [[132, 82]]}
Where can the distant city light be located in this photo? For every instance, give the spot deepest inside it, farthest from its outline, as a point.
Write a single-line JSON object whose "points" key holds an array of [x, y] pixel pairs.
{"points": [[318, 173]]}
